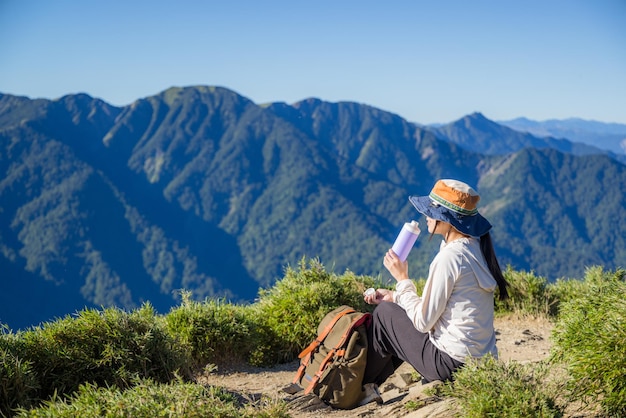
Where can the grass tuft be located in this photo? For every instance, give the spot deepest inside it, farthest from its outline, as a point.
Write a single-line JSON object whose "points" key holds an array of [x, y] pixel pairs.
{"points": [[213, 331], [528, 295], [590, 339], [109, 347], [114, 363], [19, 385], [150, 399], [290, 311], [492, 388]]}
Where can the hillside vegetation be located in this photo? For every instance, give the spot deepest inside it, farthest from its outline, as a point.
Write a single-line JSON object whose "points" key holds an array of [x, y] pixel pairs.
{"points": [[138, 363], [201, 189]]}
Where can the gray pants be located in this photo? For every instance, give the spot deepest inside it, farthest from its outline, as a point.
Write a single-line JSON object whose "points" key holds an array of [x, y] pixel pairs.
{"points": [[393, 340]]}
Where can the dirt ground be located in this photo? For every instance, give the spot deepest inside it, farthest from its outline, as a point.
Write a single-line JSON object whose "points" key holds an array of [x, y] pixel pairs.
{"points": [[518, 339]]}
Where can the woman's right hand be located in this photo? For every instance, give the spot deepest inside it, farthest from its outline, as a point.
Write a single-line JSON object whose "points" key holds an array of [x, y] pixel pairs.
{"points": [[398, 269], [380, 295]]}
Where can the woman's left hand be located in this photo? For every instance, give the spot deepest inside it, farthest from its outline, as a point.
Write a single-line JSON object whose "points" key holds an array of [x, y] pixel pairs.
{"points": [[398, 269], [379, 295]]}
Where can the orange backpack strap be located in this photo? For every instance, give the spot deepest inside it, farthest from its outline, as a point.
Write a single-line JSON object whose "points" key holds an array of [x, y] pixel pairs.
{"points": [[301, 369], [364, 319], [306, 353], [316, 343], [317, 375]]}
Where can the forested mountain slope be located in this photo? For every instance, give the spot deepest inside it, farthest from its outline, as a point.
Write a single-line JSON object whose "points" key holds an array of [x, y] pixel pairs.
{"points": [[201, 189]]}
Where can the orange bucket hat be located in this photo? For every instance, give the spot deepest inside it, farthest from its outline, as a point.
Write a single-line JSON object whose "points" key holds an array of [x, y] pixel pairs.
{"points": [[454, 202]]}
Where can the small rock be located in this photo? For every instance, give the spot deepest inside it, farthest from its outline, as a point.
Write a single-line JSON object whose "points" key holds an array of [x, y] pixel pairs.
{"points": [[308, 403], [292, 389], [407, 378]]}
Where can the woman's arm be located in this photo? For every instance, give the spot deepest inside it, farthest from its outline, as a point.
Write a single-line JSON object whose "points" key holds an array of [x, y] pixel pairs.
{"points": [[425, 311]]}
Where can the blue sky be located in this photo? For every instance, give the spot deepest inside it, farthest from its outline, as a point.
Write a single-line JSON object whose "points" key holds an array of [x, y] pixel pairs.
{"points": [[428, 61]]}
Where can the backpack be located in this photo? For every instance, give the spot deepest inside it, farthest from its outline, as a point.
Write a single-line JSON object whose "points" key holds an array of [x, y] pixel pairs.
{"points": [[333, 365]]}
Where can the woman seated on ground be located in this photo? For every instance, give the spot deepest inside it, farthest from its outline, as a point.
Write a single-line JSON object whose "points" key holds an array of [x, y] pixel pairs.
{"points": [[453, 318]]}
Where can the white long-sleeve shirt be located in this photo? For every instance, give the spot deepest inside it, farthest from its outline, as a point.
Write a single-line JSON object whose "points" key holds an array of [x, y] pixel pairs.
{"points": [[457, 305]]}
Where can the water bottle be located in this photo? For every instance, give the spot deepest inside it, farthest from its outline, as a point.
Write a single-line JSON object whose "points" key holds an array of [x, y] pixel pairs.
{"points": [[406, 239]]}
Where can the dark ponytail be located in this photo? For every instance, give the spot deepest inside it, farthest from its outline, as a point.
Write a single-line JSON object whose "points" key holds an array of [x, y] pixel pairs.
{"points": [[486, 246]]}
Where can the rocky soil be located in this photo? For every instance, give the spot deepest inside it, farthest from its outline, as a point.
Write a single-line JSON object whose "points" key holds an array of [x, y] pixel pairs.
{"points": [[518, 339]]}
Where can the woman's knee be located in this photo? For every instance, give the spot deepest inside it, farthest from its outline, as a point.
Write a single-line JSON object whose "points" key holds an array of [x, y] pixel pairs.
{"points": [[386, 310]]}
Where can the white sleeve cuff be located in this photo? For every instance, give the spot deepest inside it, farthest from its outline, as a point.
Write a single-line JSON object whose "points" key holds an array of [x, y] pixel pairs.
{"points": [[402, 287]]}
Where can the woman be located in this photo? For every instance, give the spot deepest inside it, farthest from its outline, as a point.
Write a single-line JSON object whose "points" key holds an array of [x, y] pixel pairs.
{"points": [[453, 318]]}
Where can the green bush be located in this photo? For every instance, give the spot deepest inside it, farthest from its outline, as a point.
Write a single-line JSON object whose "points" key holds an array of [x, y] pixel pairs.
{"points": [[492, 388], [528, 294], [213, 331], [109, 347], [116, 349], [148, 399], [590, 339], [565, 290], [19, 385], [288, 313]]}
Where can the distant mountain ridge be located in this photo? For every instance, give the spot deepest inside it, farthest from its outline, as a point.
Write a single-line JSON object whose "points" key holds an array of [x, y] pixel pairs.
{"points": [[607, 136], [477, 133], [199, 188]]}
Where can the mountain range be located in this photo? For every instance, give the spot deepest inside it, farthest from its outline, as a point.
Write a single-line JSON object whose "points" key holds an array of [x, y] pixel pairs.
{"points": [[199, 188], [607, 136]]}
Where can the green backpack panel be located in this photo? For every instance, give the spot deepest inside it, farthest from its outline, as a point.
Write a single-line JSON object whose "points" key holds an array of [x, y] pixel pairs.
{"points": [[333, 365]]}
